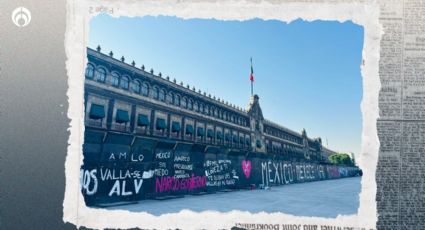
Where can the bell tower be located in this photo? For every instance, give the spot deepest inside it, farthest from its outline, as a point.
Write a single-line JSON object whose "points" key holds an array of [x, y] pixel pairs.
{"points": [[256, 124], [305, 144]]}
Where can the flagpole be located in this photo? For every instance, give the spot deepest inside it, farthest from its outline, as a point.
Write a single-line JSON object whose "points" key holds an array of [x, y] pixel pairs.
{"points": [[252, 82]]}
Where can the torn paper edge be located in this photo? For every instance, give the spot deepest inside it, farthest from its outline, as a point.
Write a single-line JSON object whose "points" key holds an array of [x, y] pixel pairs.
{"points": [[365, 14]]}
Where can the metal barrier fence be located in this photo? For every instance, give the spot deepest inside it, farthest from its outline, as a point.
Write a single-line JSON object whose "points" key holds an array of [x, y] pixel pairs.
{"points": [[124, 168]]}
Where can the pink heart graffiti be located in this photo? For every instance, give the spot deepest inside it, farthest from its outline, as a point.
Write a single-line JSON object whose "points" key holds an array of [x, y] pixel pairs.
{"points": [[246, 167]]}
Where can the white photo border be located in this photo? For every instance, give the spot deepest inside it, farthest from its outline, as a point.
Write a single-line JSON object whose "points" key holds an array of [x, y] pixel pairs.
{"points": [[79, 13]]}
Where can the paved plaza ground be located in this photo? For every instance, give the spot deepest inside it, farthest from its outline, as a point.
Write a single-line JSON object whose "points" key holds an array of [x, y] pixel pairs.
{"points": [[322, 199]]}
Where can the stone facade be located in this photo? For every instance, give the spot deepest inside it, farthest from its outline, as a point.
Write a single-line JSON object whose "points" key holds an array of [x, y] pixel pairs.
{"points": [[153, 106]]}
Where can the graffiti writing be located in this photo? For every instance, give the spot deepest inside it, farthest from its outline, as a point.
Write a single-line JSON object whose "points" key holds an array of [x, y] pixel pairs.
{"points": [[131, 176], [163, 155], [119, 188], [280, 172], [126, 182], [220, 173], [88, 181], [183, 167], [169, 183], [124, 156]]}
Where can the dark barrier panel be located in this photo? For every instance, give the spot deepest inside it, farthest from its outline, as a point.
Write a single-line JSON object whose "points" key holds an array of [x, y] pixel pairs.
{"points": [[183, 169], [142, 152], [122, 168], [212, 170], [165, 185], [225, 175], [182, 176], [92, 147], [116, 148], [258, 176], [197, 153], [241, 169]]}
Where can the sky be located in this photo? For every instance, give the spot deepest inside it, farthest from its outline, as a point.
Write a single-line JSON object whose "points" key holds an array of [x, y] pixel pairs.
{"points": [[307, 74]]}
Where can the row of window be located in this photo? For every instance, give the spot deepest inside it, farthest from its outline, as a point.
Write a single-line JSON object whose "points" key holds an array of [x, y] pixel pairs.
{"points": [[124, 82], [291, 151], [314, 144], [281, 147], [160, 125], [281, 134]]}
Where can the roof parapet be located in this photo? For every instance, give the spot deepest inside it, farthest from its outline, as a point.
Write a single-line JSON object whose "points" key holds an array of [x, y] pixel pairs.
{"points": [[199, 93]]}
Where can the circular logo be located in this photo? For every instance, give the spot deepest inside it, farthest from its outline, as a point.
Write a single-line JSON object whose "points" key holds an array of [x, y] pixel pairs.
{"points": [[21, 17]]}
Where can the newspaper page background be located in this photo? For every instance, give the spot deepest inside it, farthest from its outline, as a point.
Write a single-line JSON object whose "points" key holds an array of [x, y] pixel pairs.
{"points": [[399, 187], [400, 172]]}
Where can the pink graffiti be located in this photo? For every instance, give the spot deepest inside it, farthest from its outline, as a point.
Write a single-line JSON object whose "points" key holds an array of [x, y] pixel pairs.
{"points": [[246, 167], [167, 183], [333, 172]]}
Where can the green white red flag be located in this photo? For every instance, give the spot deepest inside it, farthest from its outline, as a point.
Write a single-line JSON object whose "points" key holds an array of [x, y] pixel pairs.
{"points": [[251, 77]]}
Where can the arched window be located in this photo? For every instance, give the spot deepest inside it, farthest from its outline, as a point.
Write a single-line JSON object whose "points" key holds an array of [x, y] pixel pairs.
{"points": [[184, 102], [115, 79], [124, 82], [190, 104], [162, 95], [207, 110], [155, 92], [201, 108], [89, 71], [145, 89], [170, 98], [136, 86], [177, 100], [196, 107], [100, 74], [215, 113]]}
